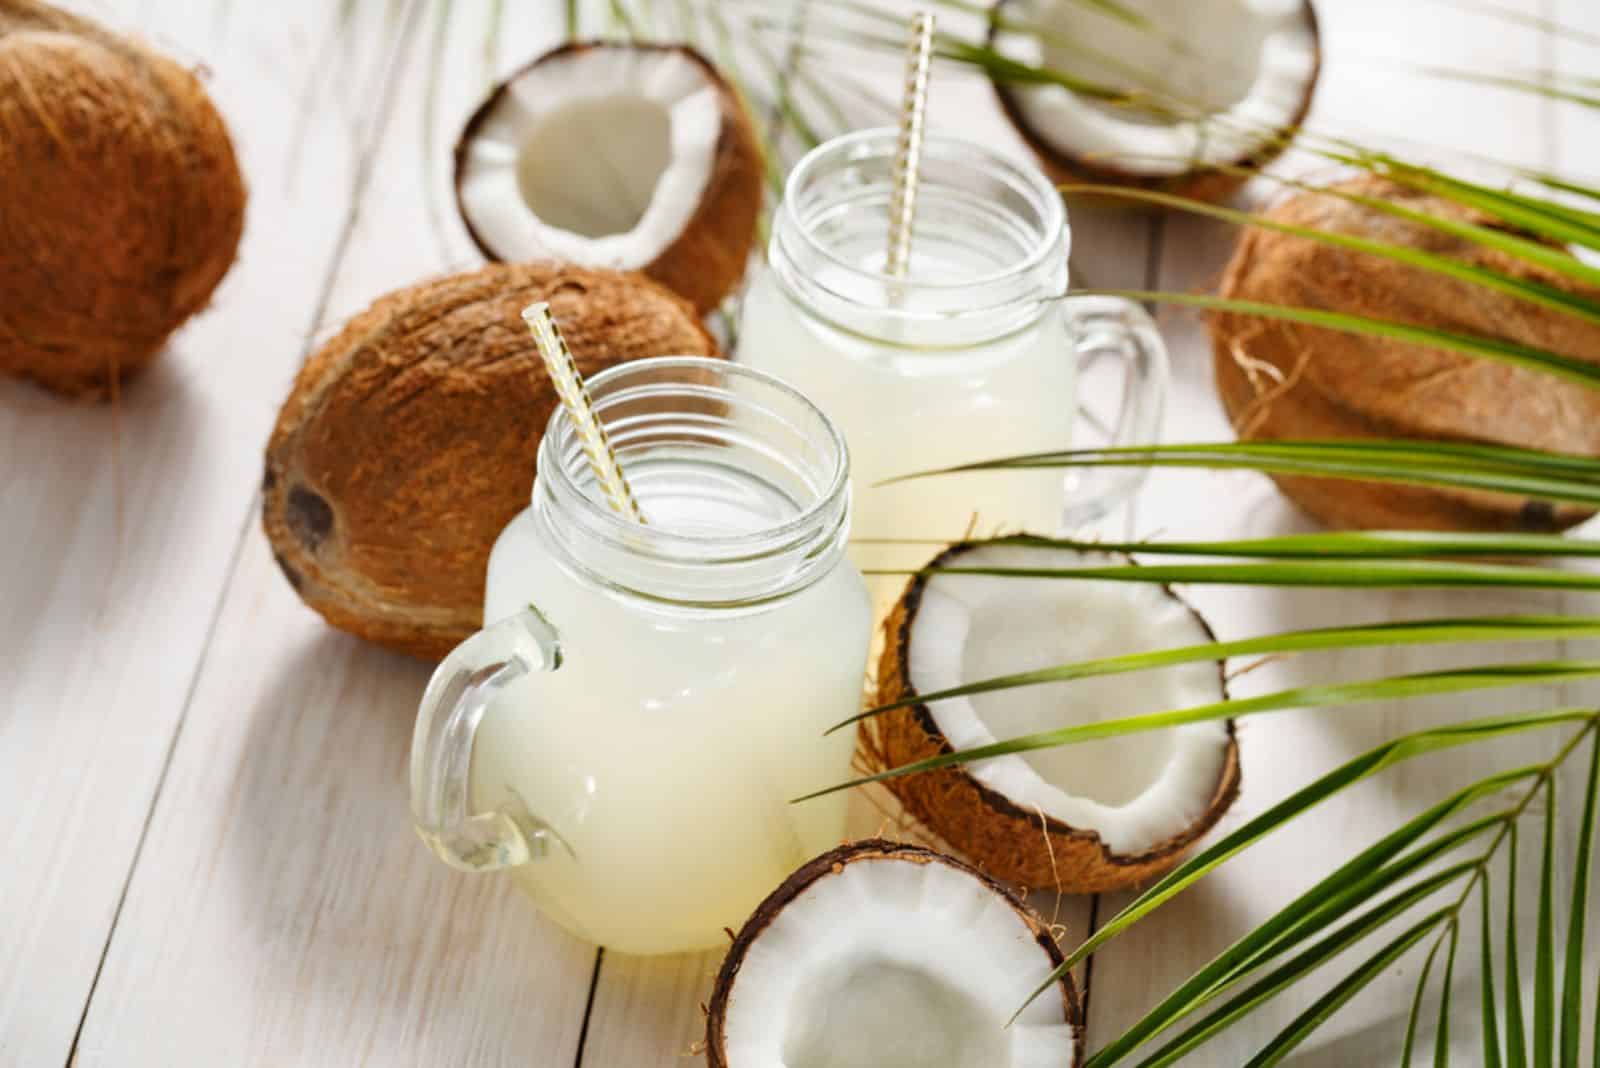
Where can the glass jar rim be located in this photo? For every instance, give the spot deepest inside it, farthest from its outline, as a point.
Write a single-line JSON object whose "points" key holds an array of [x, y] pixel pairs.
{"points": [[885, 138], [714, 549]]}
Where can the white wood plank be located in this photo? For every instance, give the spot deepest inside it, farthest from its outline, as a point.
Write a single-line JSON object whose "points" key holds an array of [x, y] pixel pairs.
{"points": [[1285, 751], [284, 912], [122, 522], [283, 909]]}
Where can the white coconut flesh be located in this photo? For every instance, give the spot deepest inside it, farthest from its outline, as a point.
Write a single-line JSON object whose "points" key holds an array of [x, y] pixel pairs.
{"points": [[1223, 77], [598, 157], [1135, 791], [894, 963]]}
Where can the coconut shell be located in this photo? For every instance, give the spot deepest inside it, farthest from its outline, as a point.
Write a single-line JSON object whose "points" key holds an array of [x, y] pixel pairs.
{"points": [[1282, 380], [121, 203], [997, 835], [708, 259], [831, 864], [1211, 184], [409, 439]]}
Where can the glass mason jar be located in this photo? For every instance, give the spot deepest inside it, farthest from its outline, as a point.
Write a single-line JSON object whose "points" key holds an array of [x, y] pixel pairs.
{"points": [[625, 741], [973, 356]]}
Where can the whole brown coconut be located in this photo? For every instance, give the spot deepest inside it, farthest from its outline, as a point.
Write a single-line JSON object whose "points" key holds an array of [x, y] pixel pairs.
{"points": [[1282, 380], [1021, 845], [409, 439], [121, 203]]}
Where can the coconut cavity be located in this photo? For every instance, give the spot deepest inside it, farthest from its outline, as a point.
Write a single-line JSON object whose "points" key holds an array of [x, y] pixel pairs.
{"points": [[879, 955], [1204, 82], [1082, 817], [618, 149], [121, 202], [616, 156]]}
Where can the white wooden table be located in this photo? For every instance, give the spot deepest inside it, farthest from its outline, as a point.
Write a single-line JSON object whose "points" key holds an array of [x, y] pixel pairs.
{"points": [[207, 859]]}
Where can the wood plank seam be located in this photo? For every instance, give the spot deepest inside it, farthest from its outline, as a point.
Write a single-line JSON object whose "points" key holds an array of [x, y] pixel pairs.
{"points": [[366, 154]]}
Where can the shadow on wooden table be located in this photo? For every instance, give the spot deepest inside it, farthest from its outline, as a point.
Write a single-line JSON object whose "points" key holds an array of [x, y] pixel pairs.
{"points": [[340, 897]]}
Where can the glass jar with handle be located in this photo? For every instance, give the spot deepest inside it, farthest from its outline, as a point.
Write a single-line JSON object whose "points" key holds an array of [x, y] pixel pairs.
{"points": [[973, 355], [625, 740]]}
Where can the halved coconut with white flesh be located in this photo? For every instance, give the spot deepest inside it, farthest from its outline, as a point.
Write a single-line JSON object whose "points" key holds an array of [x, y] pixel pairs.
{"points": [[881, 955], [619, 156], [1209, 87], [1080, 818]]}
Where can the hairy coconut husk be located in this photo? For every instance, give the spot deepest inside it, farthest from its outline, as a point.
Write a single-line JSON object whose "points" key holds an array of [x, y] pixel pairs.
{"points": [[1281, 380], [1023, 846], [409, 439], [708, 259], [121, 203], [831, 864]]}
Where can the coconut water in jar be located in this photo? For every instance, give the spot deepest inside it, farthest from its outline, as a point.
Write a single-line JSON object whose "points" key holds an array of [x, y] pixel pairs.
{"points": [[634, 775], [973, 355]]}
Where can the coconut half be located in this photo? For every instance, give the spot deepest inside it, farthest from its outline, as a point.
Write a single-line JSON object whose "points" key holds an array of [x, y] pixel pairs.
{"points": [[618, 156], [880, 955], [1081, 818], [1210, 83]]}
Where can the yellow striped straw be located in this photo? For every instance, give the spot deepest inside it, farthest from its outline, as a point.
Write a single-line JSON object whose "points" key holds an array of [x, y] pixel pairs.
{"points": [[908, 150], [580, 409]]}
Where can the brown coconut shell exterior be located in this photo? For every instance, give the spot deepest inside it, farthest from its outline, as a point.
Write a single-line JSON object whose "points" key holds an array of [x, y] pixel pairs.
{"points": [[997, 835], [121, 202], [1208, 184], [708, 259], [409, 440], [831, 864], [1280, 380]]}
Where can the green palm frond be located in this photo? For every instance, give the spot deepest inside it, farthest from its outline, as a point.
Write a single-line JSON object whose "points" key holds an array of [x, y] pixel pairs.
{"points": [[1491, 468]]}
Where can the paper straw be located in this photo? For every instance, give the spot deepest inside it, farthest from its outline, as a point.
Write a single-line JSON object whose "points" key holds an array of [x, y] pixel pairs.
{"points": [[580, 409], [908, 151]]}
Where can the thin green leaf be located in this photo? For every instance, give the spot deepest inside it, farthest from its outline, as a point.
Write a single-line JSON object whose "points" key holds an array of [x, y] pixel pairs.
{"points": [[1391, 688], [1329, 574], [1537, 215], [1544, 975], [1441, 1036], [573, 23], [1572, 979], [1504, 81], [1377, 452], [1417, 998], [1295, 970], [1414, 632], [1523, 472], [1343, 545], [1307, 1022], [1488, 1007], [1353, 884], [1552, 257], [1498, 350], [1529, 290], [1516, 1036]]}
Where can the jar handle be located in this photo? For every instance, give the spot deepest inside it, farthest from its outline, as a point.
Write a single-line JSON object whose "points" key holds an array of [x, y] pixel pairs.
{"points": [[461, 689], [1112, 326]]}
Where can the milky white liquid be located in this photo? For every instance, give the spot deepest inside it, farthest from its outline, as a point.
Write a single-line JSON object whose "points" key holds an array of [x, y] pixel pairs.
{"points": [[663, 753], [906, 409]]}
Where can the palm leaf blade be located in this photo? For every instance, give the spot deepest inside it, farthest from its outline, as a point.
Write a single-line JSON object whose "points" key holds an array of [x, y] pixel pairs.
{"points": [[1544, 975], [1572, 979], [1303, 1025]]}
